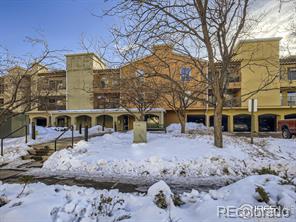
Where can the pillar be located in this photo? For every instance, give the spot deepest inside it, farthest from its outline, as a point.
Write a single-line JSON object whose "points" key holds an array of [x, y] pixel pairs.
{"points": [[93, 121], [256, 123], [49, 121], [284, 98], [230, 123], [161, 118], [115, 121], [208, 120]]}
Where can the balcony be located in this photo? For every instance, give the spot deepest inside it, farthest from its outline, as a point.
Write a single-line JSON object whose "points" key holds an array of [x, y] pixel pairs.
{"points": [[287, 83], [232, 102], [289, 101]]}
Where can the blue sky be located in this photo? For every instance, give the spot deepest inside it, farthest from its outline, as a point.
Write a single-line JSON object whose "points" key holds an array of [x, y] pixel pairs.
{"points": [[60, 22]]}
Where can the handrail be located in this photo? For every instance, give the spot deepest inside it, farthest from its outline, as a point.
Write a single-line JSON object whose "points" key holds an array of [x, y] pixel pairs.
{"points": [[56, 139], [16, 130]]}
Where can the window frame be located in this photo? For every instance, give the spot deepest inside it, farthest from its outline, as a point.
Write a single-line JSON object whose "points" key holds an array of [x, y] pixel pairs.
{"points": [[185, 76]]}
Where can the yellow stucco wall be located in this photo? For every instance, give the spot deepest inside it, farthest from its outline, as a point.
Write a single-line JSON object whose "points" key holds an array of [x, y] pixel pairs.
{"points": [[260, 64], [80, 80]]}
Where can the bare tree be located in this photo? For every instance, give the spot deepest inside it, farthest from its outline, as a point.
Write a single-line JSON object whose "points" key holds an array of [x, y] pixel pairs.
{"points": [[199, 29], [137, 91], [19, 89]]}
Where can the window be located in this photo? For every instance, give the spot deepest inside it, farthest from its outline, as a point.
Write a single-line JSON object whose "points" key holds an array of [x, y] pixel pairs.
{"points": [[51, 101], [60, 84], [291, 98], [292, 74], [1, 102], [185, 73], [52, 85]]}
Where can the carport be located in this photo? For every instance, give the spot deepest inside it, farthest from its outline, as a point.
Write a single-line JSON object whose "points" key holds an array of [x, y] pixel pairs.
{"points": [[40, 121], [242, 123], [196, 119], [224, 122], [267, 123]]}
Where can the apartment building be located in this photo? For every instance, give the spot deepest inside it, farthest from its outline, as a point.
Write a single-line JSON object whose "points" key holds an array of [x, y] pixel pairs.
{"points": [[87, 92]]}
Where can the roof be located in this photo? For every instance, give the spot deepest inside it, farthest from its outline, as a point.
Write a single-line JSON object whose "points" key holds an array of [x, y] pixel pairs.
{"points": [[259, 40], [89, 111], [288, 60], [85, 54]]}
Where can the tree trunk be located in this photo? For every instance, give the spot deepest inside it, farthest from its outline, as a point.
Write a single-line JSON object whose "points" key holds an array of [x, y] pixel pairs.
{"points": [[183, 124], [218, 139]]}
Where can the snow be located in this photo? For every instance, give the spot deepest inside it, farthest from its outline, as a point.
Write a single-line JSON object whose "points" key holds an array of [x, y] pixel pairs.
{"points": [[172, 156], [119, 110], [16, 147], [189, 127], [157, 187], [60, 203]]}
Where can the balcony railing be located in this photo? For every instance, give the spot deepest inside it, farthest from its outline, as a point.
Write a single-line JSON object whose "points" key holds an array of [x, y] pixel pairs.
{"points": [[232, 102], [291, 101]]}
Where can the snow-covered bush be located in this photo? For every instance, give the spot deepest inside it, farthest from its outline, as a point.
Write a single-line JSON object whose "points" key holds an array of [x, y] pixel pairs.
{"points": [[162, 195], [3, 200], [190, 127]]}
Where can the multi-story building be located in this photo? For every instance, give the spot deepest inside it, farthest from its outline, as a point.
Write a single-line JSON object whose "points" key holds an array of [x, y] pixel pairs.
{"points": [[88, 93]]}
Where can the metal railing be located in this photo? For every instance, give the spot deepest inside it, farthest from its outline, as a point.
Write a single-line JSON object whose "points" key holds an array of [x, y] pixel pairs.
{"points": [[72, 137], [16, 130]]}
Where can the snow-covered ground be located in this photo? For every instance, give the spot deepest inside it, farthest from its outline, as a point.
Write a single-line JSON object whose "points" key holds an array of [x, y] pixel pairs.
{"points": [[16, 147], [172, 156], [57, 203]]}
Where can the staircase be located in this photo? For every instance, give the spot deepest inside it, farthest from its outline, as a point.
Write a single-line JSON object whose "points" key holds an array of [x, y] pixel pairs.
{"points": [[41, 152]]}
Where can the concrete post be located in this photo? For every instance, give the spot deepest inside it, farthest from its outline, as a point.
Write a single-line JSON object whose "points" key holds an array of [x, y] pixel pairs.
{"points": [[161, 118], [230, 123], [93, 121]]}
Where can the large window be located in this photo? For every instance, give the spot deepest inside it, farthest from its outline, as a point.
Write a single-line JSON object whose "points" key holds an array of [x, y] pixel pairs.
{"points": [[292, 74], [185, 73], [291, 98]]}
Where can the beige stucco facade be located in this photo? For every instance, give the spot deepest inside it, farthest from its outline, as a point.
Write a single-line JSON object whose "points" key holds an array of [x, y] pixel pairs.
{"points": [[77, 95]]}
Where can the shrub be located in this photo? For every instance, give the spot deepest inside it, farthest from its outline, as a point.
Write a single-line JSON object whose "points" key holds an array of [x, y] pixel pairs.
{"points": [[263, 195], [106, 205], [160, 200], [25, 180], [266, 170], [177, 200], [225, 171], [3, 200]]}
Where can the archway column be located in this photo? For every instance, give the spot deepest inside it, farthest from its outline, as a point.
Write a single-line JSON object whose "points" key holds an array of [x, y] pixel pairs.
{"points": [[208, 120], [115, 122], [93, 121], [230, 123], [161, 118], [256, 123]]}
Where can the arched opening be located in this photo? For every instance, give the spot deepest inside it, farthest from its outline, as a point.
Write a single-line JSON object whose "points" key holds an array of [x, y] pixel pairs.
{"points": [[83, 121], [290, 116], [105, 121], [125, 122], [267, 123], [40, 121], [63, 121], [224, 122], [242, 123], [152, 120], [196, 119]]}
